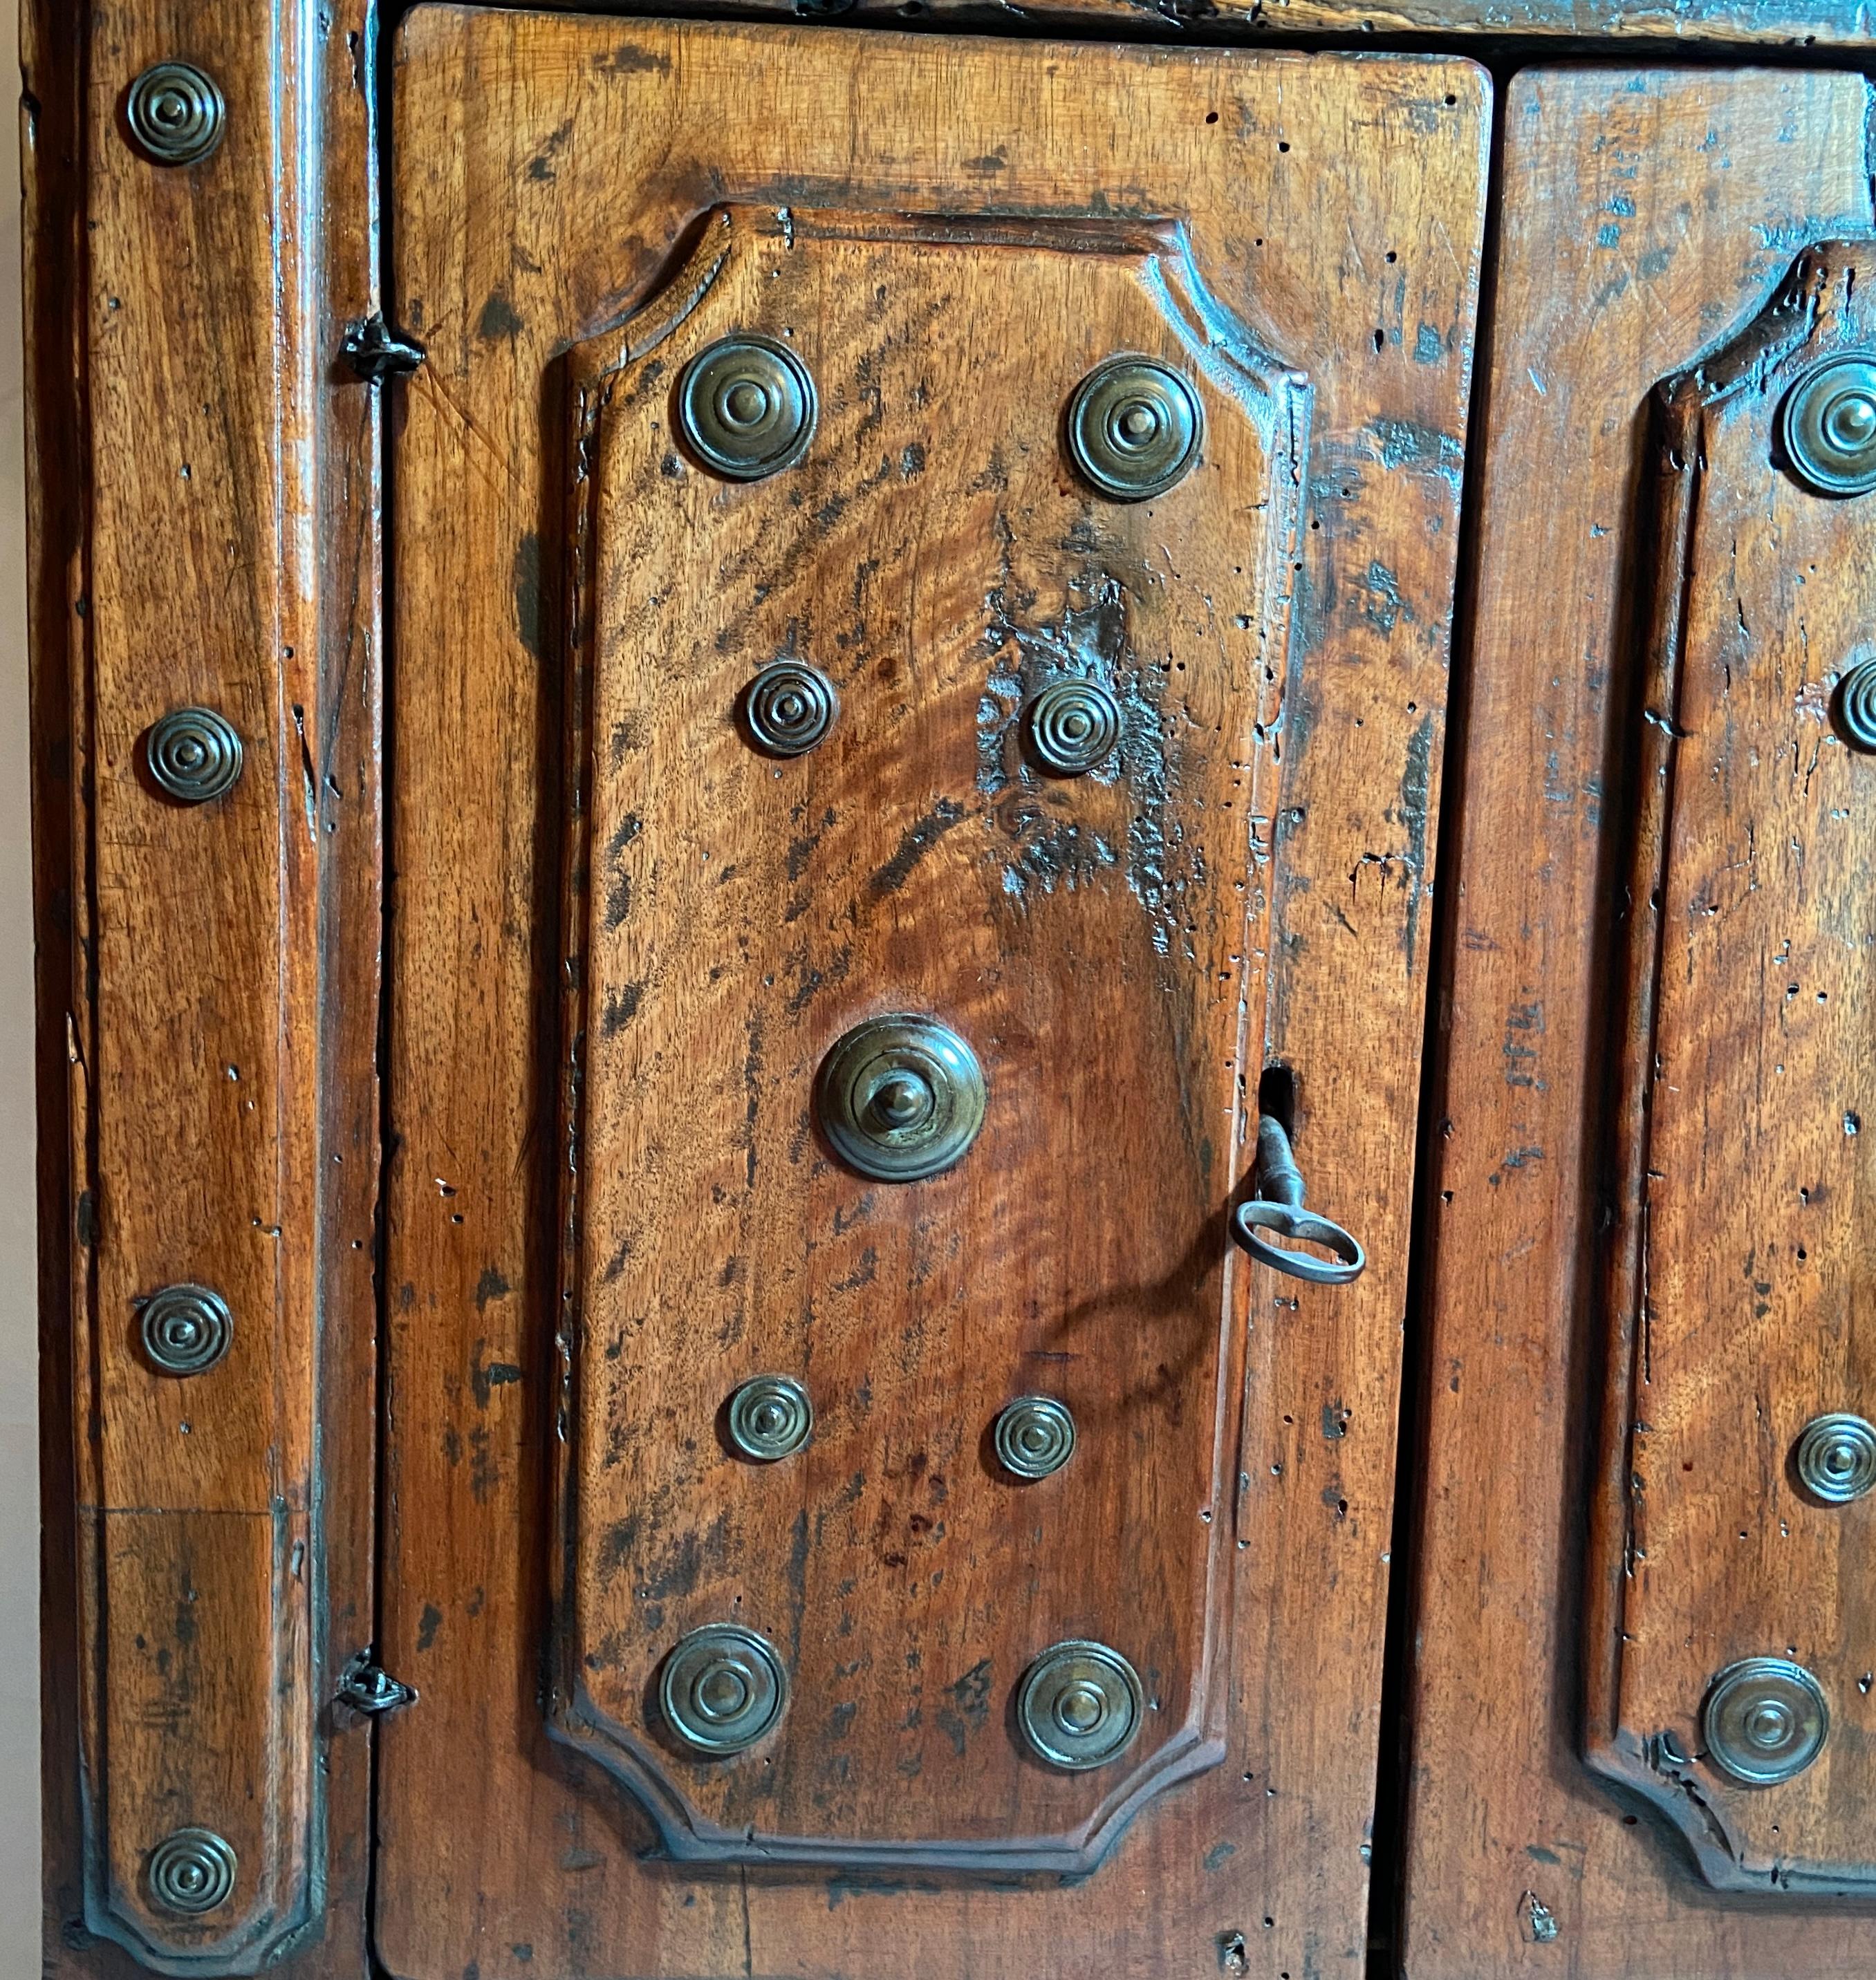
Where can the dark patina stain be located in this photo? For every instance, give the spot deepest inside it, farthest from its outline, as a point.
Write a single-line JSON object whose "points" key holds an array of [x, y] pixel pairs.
{"points": [[1088, 640], [618, 1545], [629, 59], [486, 1377], [497, 319], [917, 840], [1408, 443], [618, 881], [484, 1474], [530, 607], [621, 1008], [969, 1707]]}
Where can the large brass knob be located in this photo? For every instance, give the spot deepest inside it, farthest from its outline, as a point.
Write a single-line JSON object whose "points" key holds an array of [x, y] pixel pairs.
{"points": [[723, 1689], [1079, 1706], [900, 1097], [1765, 1720], [745, 407]]}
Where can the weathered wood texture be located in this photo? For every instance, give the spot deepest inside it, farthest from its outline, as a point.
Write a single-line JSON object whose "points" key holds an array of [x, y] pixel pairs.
{"points": [[1649, 218], [204, 532], [1782, 23], [1740, 1170], [547, 170], [1771, 24]]}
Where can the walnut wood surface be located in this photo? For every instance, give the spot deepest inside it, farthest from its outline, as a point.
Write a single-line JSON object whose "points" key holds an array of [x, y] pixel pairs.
{"points": [[201, 534], [1649, 218], [548, 168]]}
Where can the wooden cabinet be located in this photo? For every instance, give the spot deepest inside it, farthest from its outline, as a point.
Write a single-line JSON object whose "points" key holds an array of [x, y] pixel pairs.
{"points": [[743, 732]]}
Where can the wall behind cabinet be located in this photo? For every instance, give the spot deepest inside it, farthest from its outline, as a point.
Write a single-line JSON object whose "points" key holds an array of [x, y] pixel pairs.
{"points": [[19, 1404], [19, 1407]]}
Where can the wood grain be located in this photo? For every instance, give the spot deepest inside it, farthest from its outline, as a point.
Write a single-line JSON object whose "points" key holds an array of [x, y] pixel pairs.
{"points": [[1627, 24], [191, 545], [1648, 217], [548, 171], [209, 1587]]}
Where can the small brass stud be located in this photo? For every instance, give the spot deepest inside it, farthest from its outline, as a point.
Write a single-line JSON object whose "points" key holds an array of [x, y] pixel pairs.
{"points": [[176, 112], [1835, 1458], [1134, 428], [788, 708], [1033, 1436], [191, 1871], [195, 755], [723, 1689], [1765, 1720], [186, 1329], [1071, 725], [1079, 1706], [1855, 711], [771, 1417]]}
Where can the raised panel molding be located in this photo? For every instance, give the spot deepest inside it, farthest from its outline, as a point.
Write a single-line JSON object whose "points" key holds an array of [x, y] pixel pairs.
{"points": [[730, 916]]}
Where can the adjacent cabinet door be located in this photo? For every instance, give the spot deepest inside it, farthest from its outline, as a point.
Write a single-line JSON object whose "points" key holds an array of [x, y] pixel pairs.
{"points": [[923, 577], [1644, 1686]]}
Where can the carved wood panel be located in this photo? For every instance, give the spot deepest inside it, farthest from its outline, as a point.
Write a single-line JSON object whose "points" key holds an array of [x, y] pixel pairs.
{"points": [[1650, 215], [1091, 936]]}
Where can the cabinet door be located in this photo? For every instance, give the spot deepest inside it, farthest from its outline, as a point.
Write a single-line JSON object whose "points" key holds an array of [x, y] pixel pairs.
{"points": [[922, 575], [1649, 1280]]}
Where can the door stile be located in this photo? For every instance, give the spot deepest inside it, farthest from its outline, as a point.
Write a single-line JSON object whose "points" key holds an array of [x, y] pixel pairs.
{"points": [[204, 535]]}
